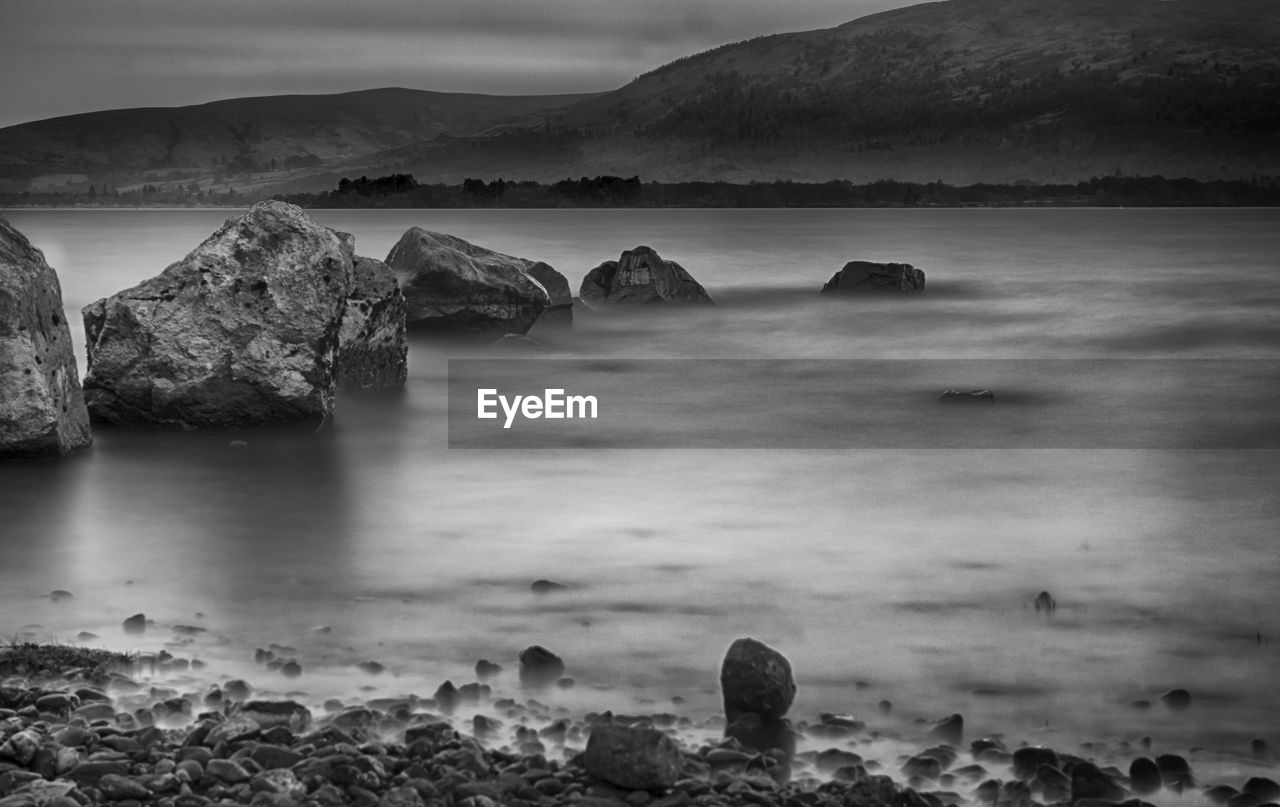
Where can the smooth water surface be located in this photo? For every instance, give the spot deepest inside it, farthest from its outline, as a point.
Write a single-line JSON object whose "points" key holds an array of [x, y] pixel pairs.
{"points": [[910, 570]]}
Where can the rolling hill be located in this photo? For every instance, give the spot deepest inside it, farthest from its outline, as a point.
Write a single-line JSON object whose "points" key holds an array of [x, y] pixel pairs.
{"points": [[961, 91]]}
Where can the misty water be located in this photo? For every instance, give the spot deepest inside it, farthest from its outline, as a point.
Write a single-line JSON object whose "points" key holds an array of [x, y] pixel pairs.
{"points": [[908, 570]]}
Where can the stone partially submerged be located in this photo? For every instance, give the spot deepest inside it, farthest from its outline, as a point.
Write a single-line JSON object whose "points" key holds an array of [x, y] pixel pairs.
{"points": [[243, 331], [372, 347], [858, 277], [640, 275], [453, 286], [42, 409]]}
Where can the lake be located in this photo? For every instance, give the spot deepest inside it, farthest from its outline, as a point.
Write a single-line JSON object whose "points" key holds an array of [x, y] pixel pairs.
{"points": [[902, 571]]}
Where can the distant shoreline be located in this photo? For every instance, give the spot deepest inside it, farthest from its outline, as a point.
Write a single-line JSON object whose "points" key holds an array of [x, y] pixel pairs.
{"points": [[403, 192]]}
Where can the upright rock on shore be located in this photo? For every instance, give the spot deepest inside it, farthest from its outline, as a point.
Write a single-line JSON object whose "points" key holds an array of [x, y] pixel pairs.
{"points": [[864, 276], [42, 410], [454, 286], [758, 689], [641, 276], [242, 331]]}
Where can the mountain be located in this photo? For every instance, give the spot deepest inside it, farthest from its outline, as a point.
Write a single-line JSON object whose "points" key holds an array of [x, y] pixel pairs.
{"points": [[243, 136], [961, 90]]}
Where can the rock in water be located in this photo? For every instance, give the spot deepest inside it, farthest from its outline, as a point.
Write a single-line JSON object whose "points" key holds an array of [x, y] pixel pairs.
{"points": [[858, 277], [1088, 781], [539, 666], [42, 410], [632, 757], [756, 679], [949, 730], [242, 331], [372, 348], [454, 286], [560, 312], [641, 276], [1144, 776]]}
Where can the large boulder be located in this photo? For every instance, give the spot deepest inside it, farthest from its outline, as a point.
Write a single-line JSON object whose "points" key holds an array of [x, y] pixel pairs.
{"points": [[641, 276], [632, 757], [372, 348], [454, 286], [756, 679], [42, 411], [858, 277], [242, 331]]}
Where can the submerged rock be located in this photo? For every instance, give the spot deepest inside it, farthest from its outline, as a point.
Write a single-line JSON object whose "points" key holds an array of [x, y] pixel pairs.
{"points": [[632, 757], [756, 679], [641, 276], [242, 331], [372, 348], [859, 277], [454, 286], [42, 408], [967, 396]]}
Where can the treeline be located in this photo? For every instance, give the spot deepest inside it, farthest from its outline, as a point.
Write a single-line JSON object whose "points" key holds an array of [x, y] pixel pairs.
{"points": [[402, 190]]}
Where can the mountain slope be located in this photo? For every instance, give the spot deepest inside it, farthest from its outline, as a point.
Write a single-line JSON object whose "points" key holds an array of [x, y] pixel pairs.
{"points": [[960, 90], [247, 134]]}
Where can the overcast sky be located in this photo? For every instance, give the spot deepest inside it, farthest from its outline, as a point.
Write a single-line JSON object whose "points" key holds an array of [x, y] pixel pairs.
{"points": [[59, 57]]}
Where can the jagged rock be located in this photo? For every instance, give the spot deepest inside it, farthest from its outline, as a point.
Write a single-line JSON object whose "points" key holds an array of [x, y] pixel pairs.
{"points": [[372, 348], [859, 277], [756, 679], [454, 286], [242, 331], [641, 276], [42, 409], [632, 757]]}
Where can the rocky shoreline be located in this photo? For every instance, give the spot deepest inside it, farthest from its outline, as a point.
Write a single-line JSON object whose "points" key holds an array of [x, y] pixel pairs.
{"points": [[82, 727]]}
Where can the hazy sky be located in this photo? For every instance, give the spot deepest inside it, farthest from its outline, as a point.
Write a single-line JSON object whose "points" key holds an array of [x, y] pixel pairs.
{"points": [[59, 57]]}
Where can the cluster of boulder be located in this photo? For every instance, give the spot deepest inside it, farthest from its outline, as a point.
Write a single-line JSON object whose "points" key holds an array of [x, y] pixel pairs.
{"points": [[272, 314]]}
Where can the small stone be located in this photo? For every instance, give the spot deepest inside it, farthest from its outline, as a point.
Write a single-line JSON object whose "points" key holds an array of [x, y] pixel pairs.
{"points": [[949, 730], [1026, 761], [60, 595], [1088, 781], [1176, 699], [291, 669], [21, 747], [632, 757], [1144, 776], [231, 730], [226, 771], [486, 669], [923, 766], [237, 689], [371, 667], [756, 679], [118, 788], [446, 697], [1175, 772], [135, 624], [539, 666], [546, 586]]}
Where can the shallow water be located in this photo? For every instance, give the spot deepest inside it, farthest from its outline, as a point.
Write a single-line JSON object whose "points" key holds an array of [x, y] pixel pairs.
{"points": [[912, 570]]}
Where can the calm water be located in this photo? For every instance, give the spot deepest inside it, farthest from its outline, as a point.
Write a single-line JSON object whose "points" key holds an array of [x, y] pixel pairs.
{"points": [[912, 570]]}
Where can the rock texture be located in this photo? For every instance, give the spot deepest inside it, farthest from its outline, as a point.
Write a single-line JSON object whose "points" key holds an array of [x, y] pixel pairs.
{"points": [[756, 679], [539, 666], [242, 331], [560, 312], [864, 276], [42, 410], [372, 348], [641, 276], [632, 757], [454, 286]]}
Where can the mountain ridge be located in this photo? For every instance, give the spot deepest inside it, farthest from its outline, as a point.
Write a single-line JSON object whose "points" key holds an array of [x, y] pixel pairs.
{"points": [[958, 90]]}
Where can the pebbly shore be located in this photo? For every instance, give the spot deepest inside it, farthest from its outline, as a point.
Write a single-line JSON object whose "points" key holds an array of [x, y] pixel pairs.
{"points": [[80, 726]]}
